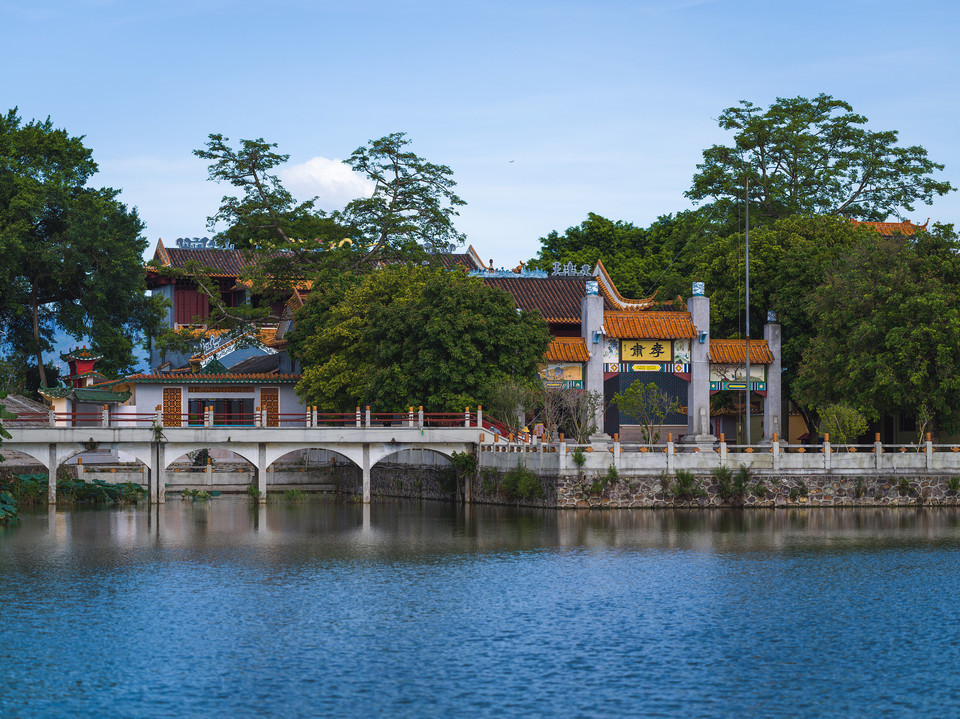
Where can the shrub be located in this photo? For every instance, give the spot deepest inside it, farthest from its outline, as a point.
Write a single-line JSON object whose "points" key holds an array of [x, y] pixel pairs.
{"points": [[732, 486], [954, 484], [8, 508], [760, 489], [579, 457], [859, 490], [522, 483], [253, 490], [800, 490], [687, 487]]}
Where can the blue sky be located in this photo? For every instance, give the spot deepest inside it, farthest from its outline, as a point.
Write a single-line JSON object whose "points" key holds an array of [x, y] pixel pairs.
{"points": [[545, 111]]}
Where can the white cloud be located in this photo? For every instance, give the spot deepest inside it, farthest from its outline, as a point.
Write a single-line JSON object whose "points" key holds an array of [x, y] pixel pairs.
{"points": [[332, 181]]}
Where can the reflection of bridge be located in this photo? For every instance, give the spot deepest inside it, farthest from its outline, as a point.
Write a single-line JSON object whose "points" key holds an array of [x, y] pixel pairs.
{"points": [[261, 446]]}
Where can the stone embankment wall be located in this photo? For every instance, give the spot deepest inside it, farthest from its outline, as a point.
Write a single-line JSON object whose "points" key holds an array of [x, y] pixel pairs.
{"points": [[808, 490]]}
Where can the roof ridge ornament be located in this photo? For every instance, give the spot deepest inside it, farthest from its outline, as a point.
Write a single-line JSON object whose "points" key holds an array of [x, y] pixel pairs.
{"points": [[571, 270]]}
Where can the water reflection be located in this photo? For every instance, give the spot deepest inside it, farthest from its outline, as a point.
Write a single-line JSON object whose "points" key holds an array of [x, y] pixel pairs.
{"points": [[233, 608]]}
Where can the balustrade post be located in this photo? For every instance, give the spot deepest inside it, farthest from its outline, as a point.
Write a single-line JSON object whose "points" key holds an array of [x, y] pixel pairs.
{"points": [[466, 417], [878, 451], [827, 463], [263, 417], [367, 417], [723, 450], [776, 452], [420, 417], [306, 417], [313, 416], [929, 452], [159, 419], [53, 416], [80, 468], [256, 417], [671, 453], [208, 470], [358, 416], [562, 456], [410, 417], [480, 416], [616, 451], [105, 415], [208, 416]]}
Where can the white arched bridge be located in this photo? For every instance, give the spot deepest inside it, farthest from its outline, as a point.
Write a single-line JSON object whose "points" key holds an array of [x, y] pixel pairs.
{"points": [[362, 442]]}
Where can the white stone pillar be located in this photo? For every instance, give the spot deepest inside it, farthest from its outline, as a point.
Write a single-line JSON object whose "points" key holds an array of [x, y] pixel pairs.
{"points": [[262, 472], [698, 393], [365, 468], [591, 328], [52, 473], [773, 402]]}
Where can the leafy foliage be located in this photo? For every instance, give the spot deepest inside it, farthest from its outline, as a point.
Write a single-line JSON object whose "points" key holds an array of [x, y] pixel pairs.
{"points": [[843, 423], [522, 483], [72, 253], [813, 157], [648, 405], [412, 335], [687, 487], [888, 329]]}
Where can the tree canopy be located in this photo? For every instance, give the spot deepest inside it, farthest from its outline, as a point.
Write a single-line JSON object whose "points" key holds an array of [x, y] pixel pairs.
{"points": [[413, 335], [888, 328], [813, 157], [72, 253], [288, 244]]}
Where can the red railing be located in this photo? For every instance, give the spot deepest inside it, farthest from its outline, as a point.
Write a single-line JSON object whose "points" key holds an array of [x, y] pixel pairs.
{"points": [[305, 418]]}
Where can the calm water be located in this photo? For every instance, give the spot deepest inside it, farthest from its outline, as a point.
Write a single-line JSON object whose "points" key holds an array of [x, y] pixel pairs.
{"points": [[223, 609]]}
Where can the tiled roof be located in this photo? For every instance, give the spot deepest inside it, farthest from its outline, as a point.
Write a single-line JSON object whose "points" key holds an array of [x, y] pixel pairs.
{"points": [[567, 349], [905, 228], [450, 260], [735, 352], [260, 364], [99, 396], [649, 325], [557, 298], [202, 378]]}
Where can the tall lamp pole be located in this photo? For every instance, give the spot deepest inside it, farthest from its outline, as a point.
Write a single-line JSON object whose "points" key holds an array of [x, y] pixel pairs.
{"points": [[746, 238]]}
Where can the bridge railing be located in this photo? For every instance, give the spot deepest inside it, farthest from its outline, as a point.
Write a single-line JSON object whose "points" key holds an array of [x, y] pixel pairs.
{"points": [[261, 418]]}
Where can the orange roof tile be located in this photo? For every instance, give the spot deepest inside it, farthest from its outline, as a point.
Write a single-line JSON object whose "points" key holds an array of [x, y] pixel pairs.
{"points": [[567, 349], [735, 352], [649, 325], [905, 228]]}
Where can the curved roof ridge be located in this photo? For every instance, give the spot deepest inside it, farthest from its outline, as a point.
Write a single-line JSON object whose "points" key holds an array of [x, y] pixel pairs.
{"points": [[613, 294]]}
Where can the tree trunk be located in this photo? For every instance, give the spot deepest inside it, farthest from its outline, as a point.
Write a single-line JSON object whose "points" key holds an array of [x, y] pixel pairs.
{"points": [[36, 336]]}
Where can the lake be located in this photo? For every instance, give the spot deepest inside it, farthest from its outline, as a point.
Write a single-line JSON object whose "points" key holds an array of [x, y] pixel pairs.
{"points": [[223, 608]]}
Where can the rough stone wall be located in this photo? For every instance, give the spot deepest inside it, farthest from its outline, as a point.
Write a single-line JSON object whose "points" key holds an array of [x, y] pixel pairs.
{"points": [[398, 480], [810, 490]]}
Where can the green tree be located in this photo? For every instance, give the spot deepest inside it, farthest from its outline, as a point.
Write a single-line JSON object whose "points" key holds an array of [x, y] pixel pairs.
{"points": [[789, 260], [412, 206], [641, 261], [72, 253], [452, 344], [841, 422], [289, 244], [331, 338], [813, 157], [888, 328], [414, 335], [648, 406]]}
